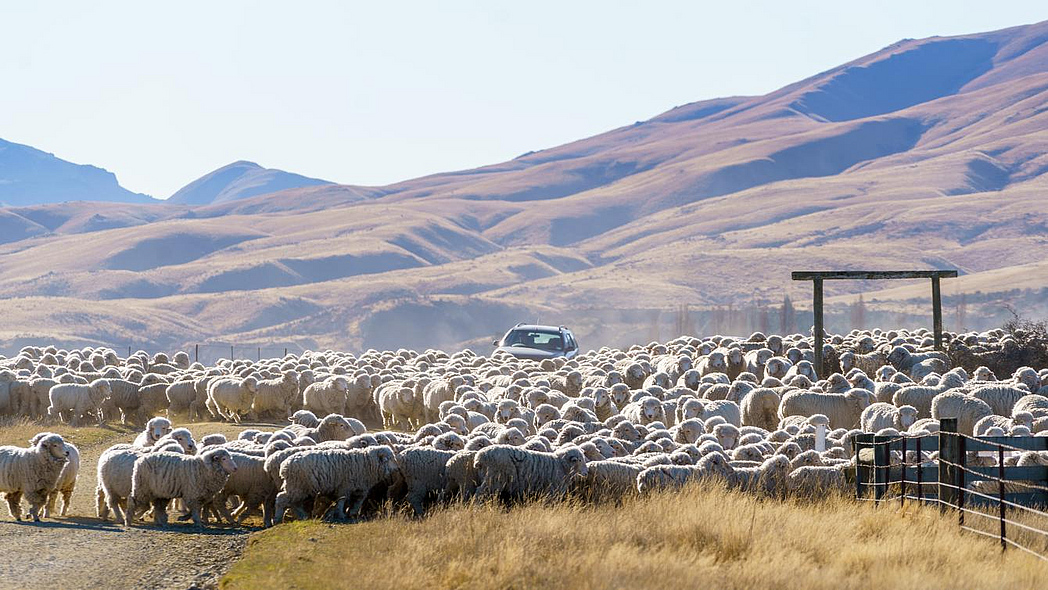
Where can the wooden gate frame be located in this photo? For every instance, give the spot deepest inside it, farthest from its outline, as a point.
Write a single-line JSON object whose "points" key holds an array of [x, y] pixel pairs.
{"points": [[817, 277]]}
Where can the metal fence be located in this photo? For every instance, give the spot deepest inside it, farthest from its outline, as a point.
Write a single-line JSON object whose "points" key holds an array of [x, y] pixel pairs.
{"points": [[970, 475]]}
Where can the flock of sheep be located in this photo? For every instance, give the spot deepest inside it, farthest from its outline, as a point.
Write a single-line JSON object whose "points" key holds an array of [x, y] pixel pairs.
{"points": [[414, 428]]}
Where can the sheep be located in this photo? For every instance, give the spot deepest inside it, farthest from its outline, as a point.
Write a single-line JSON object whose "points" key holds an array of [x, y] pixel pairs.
{"points": [[160, 477], [155, 429], [843, 410], [347, 475], [967, 410], [32, 473], [256, 490], [327, 396], [231, 398], [66, 482], [276, 397], [1006, 424], [920, 396], [608, 480], [462, 481], [645, 411], [75, 400], [767, 479], [818, 481], [422, 472], [1001, 398], [180, 395], [760, 408], [881, 415], [305, 418], [711, 465], [517, 473]]}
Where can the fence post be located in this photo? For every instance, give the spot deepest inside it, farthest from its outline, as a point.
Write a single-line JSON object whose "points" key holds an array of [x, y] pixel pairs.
{"points": [[920, 468], [817, 321], [962, 456], [260, 353], [129, 351], [1000, 493], [862, 472], [948, 451], [196, 353], [231, 353], [902, 476], [881, 454], [285, 351]]}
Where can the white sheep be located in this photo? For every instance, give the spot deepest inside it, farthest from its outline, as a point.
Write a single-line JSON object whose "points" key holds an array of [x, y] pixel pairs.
{"points": [[346, 475], [519, 473], [327, 396], [843, 410], [160, 477], [66, 482], [968, 410], [230, 397], [881, 415], [156, 428], [31, 473], [760, 408], [72, 401]]}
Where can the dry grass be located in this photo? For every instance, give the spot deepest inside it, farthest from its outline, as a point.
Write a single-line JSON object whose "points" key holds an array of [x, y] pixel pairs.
{"points": [[18, 431], [691, 539]]}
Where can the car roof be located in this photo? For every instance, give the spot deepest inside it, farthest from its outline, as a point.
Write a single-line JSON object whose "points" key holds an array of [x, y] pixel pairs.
{"points": [[539, 328]]}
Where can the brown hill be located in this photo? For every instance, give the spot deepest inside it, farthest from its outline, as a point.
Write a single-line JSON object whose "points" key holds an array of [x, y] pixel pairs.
{"points": [[928, 153]]}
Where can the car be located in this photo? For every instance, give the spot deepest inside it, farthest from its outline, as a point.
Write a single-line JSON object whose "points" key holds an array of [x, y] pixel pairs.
{"points": [[530, 341]]}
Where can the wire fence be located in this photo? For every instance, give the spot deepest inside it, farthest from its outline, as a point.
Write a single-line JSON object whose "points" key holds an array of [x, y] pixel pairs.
{"points": [[211, 353], [997, 488]]}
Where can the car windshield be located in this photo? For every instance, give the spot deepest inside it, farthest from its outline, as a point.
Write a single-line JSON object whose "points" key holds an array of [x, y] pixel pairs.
{"points": [[534, 339]]}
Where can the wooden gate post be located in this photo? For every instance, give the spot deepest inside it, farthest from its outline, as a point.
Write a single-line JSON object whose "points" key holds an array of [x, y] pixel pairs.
{"points": [[817, 310], [937, 312]]}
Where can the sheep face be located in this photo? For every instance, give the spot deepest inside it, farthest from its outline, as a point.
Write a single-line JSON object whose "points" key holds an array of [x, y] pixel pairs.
{"points": [[735, 356], [507, 410], [907, 417], [53, 447], [185, 440], [620, 394], [220, 459], [574, 460], [158, 428], [651, 409]]}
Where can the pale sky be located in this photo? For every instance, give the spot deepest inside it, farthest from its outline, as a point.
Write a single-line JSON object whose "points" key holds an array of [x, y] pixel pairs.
{"points": [[376, 92]]}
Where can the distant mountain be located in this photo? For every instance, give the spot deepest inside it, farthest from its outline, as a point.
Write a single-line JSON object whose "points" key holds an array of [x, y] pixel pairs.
{"points": [[239, 180], [929, 153], [29, 176]]}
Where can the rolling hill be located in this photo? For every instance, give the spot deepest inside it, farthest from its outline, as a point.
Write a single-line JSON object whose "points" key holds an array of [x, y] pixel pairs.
{"points": [[236, 181], [928, 153]]}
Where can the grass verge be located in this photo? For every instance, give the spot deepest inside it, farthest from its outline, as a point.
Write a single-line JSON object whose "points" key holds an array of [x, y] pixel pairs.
{"points": [[691, 539]]}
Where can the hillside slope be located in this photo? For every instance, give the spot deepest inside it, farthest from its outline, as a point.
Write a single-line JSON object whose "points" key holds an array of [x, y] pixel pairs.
{"points": [[236, 181], [29, 176], [928, 153]]}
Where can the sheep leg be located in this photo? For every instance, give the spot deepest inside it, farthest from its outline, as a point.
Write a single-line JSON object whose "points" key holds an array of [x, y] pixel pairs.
{"points": [[49, 506], [160, 512], [101, 506], [223, 510], [37, 501], [358, 503], [14, 504], [194, 511]]}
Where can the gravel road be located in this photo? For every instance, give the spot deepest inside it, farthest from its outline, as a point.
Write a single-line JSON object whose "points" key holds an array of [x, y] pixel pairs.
{"points": [[83, 552]]}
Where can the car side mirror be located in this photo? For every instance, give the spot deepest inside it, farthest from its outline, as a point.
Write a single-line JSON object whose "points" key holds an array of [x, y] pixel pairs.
{"points": [[494, 342]]}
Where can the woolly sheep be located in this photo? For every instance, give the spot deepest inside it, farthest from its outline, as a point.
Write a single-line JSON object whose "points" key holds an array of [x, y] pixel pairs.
{"points": [[160, 477], [967, 410], [72, 401], [346, 475], [881, 415], [843, 410], [32, 473], [519, 473], [155, 429]]}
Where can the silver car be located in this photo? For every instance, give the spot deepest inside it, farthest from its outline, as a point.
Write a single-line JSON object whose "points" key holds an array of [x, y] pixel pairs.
{"points": [[528, 341]]}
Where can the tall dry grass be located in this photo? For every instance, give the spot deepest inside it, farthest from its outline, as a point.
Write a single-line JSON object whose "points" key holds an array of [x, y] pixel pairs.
{"points": [[696, 538]]}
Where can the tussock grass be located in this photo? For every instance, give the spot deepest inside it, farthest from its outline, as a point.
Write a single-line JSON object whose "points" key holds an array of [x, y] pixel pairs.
{"points": [[695, 538]]}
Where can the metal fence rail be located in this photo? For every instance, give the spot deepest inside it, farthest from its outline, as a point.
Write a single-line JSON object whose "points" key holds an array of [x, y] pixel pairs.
{"points": [[950, 469]]}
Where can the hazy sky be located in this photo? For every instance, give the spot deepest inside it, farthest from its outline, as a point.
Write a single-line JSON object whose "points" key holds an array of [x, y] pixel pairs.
{"points": [[375, 92]]}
